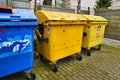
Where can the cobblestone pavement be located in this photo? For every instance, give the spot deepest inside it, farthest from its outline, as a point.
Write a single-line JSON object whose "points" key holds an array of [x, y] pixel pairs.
{"points": [[101, 65]]}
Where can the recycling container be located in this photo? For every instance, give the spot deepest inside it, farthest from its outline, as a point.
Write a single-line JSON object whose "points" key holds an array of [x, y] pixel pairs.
{"points": [[93, 32], [16, 40], [61, 35]]}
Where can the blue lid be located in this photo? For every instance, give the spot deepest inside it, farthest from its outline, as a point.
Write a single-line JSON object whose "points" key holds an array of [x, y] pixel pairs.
{"points": [[18, 15]]}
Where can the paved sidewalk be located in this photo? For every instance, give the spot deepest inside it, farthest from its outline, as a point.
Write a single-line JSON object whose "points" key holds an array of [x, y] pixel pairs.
{"points": [[112, 42], [101, 65]]}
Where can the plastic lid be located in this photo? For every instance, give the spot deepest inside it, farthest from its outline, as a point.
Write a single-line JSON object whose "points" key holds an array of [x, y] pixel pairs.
{"points": [[18, 15], [44, 16], [95, 18], [6, 9]]}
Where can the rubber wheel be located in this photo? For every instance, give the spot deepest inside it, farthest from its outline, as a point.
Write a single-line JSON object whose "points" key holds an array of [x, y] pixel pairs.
{"points": [[33, 76], [99, 47], [88, 53], [54, 68], [79, 57]]}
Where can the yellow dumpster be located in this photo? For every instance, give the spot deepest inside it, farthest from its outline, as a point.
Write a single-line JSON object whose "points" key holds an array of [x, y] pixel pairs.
{"points": [[93, 32], [59, 35]]}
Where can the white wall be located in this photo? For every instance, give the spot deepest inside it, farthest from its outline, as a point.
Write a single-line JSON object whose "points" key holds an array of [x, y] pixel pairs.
{"points": [[88, 3], [74, 4], [2, 2], [115, 5]]}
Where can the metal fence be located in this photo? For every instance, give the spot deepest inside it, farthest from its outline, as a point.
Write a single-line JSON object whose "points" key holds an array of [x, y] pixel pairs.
{"points": [[49, 8], [27, 4], [72, 9], [113, 28]]}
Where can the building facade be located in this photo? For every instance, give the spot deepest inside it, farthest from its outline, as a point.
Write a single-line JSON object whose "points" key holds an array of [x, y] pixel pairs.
{"points": [[115, 4], [69, 4]]}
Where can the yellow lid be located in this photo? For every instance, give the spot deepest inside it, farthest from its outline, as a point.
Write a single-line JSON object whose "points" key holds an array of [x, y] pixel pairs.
{"points": [[95, 18], [44, 16]]}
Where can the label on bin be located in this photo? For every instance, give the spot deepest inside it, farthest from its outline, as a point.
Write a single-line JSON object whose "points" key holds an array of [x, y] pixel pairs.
{"points": [[2, 31], [15, 44], [48, 29], [98, 32]]}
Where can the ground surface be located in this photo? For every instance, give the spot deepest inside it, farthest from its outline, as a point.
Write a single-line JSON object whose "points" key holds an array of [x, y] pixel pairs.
{"points": [[101, 65]]}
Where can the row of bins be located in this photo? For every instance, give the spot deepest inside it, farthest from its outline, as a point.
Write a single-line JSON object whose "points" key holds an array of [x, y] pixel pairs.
{"points": [[16, 41], [58, 35], [63, 34]]}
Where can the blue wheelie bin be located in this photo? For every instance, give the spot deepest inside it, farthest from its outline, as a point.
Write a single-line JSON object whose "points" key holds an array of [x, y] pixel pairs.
{"points": [[16, 41]]}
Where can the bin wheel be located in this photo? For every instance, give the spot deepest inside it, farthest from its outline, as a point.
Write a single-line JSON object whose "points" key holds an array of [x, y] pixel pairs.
{"points": [[54, 67], [78, 57], [88, 53], [31, 77], [99, 47]]}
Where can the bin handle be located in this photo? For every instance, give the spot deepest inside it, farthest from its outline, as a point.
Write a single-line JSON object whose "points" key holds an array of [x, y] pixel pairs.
{"points": [[37, 33], [40, 37], [62, 18], [15, 18]]}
